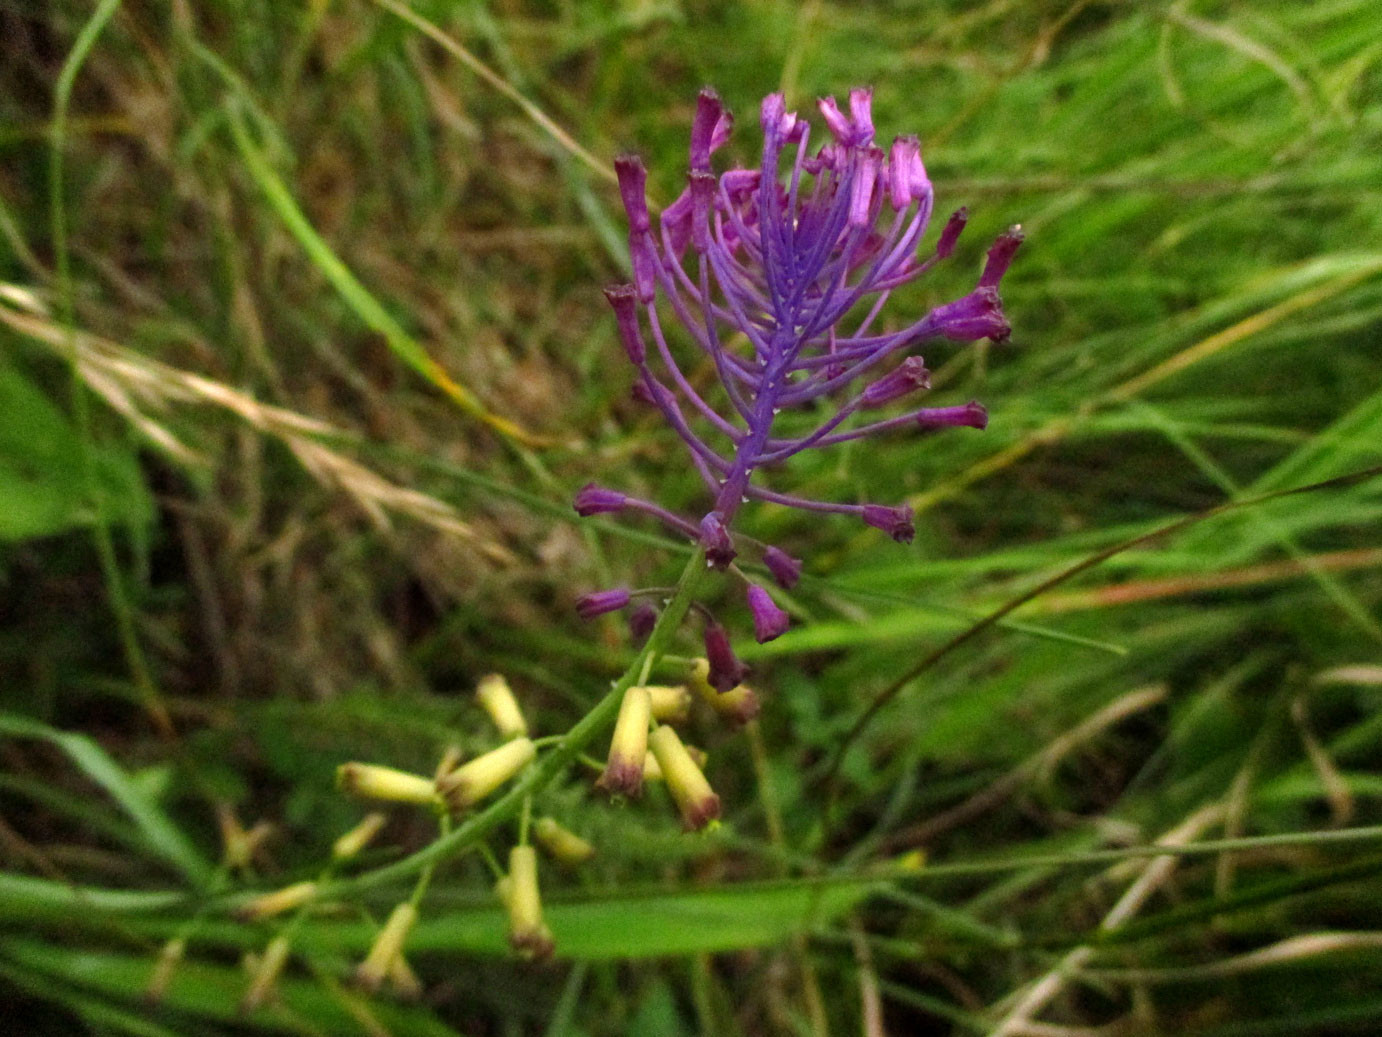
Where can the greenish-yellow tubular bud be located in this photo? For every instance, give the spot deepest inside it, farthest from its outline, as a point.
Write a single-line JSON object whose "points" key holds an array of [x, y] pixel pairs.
{"points": [[566, 847], [527, 932], [497, 699], [695, 799], [387, 946], [623, 774], [473, 781], [369, 781]]}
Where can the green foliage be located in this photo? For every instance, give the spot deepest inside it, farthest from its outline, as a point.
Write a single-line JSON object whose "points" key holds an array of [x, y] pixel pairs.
{"points": [[41, 475]]}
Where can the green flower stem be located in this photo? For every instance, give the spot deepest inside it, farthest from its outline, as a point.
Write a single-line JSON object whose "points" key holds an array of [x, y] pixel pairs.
{"points": [[548, 767]]}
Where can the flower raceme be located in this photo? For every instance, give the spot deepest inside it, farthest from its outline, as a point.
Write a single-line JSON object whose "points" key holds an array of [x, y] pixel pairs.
{"points": [[779, 279]]}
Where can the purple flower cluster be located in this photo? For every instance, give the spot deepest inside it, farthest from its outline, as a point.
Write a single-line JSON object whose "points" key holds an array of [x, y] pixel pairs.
{"points": [[779, 280]]}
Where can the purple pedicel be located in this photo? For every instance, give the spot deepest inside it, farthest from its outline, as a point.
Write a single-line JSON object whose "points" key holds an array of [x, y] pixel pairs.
{"points": [[778, 277]]}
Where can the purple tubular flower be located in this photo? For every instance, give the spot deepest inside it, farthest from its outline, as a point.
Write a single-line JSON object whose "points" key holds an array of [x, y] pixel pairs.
{"points": [[1000, 257], [597, 603], [709, 130], [726, 671], [778, 276], [951, 232], [896, 522], [596, 500], [633, 184], [786, 570], [978, 315], [769, 621], [907, 377], [641, 622], [715, 538], [623, 301], [969, 415], [907, 179], [835, 120], [633, 180]]}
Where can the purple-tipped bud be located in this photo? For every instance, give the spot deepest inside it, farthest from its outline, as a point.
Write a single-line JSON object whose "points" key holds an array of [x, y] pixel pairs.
{"points": [[969, 415], [696, 800], [622, 300], [896, 522], [769, 621], [644, 259], [861, 191], [703, 187], [676, 223], [1000, 256], [739, 184], [633, 181], [907, 179], [715, 538], [623, 773], [978, 315], [908, 377], [597, 603], [954, 227], [596, 500], [770, 112], [641, 622], [786, 570], [726, 671], [861, 113], [835, 120], [703, 126], [779, 125]]}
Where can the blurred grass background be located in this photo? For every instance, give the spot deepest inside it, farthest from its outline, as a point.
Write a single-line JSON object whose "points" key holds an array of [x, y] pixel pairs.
{"points": [[333, 290]]}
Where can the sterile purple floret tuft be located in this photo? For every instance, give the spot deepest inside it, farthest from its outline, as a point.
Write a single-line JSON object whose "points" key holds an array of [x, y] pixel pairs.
{"points": [[778, 276]]}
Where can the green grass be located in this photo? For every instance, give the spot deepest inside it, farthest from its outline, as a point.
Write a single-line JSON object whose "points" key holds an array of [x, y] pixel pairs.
{"points": [[331, 284]]}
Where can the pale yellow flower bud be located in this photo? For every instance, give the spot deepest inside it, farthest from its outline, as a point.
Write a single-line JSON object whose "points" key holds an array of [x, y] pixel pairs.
{"points": [[694, 797], [264, 974], [623, 775], [527, 933], [671, 703], [497, 699], [348, 845], [652, 770], [739, 705], [387, 946], [473, 781], [369, 781], [566, 847], [267, 905], [162, 975]]}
